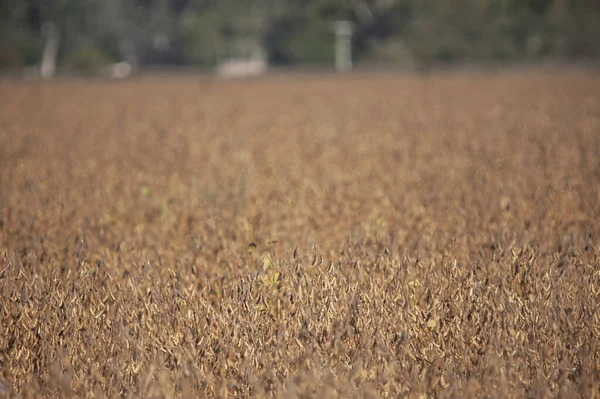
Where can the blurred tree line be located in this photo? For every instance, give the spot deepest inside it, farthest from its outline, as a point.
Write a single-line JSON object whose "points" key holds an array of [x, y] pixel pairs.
{"points": [[80, 34]]}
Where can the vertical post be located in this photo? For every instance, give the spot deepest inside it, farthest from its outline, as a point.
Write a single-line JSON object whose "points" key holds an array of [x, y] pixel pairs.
{"points": [[343, 46], [48, 66]]}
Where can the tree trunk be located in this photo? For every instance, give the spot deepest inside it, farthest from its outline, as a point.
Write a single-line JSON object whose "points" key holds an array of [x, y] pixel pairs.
{"points": [[50, 54]]}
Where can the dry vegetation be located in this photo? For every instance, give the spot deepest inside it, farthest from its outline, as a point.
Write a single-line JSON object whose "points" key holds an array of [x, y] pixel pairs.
{"points": [[432, 235]]}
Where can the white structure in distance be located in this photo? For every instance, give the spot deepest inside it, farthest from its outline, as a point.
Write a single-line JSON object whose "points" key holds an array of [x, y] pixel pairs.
{"points": [[241, 58], [343, 46]]}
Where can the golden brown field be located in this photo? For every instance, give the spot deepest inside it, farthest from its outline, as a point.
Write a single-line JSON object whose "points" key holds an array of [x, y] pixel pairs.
{"points": [[427, 235]]}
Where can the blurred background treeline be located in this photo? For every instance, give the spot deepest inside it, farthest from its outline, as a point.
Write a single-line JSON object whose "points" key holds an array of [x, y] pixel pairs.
{"points": [[87, 34]]}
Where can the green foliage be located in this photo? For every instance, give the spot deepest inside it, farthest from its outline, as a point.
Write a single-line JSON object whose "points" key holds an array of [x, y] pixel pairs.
{"points": [[20, 48], [307, 43], [86, 57], [197, 38]]}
